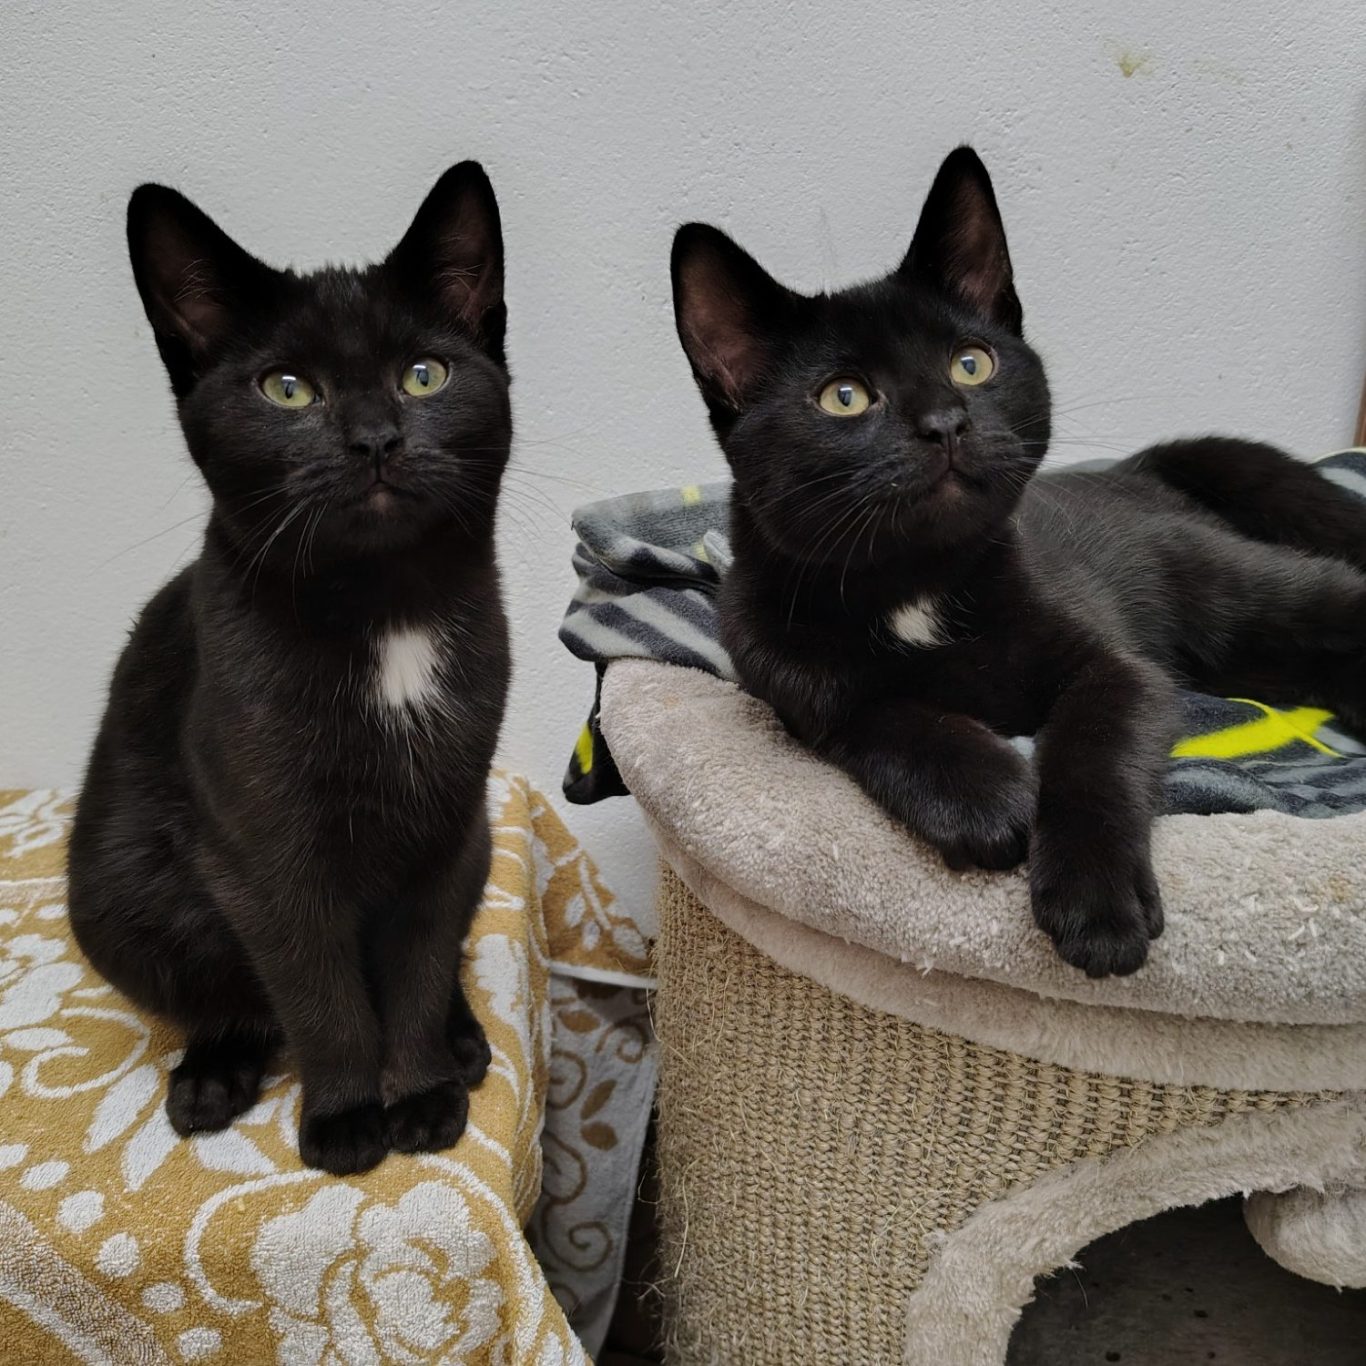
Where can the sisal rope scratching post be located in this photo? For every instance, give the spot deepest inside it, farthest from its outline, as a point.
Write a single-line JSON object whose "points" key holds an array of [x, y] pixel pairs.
{"points": [[813, 1152]]}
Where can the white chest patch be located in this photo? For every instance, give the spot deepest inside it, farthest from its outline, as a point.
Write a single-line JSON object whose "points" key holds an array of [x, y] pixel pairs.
{"points": [[918, 623], [407, 660]]}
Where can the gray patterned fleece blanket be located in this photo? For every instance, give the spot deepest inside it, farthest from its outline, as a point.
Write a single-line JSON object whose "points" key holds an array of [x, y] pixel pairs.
{"points": [[648, 567]]}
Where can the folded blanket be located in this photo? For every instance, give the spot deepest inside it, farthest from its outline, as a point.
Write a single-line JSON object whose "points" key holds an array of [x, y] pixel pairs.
{"points": [[649, 565], [121, 1242]]}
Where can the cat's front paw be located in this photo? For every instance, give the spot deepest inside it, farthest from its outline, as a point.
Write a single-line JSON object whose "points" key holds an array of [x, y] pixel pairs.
{"points": [[984, 819], [352, 1141], [1101, 918], [429, 1121]]}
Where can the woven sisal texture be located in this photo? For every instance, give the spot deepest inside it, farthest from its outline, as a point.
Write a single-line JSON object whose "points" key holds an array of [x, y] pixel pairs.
{"points": [[810, 1149]]}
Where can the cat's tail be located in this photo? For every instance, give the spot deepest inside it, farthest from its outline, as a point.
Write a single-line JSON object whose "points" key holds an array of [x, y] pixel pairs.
{"points": [[1263, 493]]}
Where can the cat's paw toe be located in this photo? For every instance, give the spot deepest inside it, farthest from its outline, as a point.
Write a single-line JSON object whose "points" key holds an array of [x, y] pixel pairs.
{"points": [[1106, 951], [204, 1101], [428, 1121], [352, 1141]]}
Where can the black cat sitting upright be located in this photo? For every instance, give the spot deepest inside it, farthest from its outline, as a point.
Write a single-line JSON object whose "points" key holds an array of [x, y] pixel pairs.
{"points": [[282, 835], [905, 597]]}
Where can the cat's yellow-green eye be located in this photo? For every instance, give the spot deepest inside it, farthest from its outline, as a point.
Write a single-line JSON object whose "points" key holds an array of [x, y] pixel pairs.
{"points": [[972, 365], [288, 389], [845, 397], [424, 377]]}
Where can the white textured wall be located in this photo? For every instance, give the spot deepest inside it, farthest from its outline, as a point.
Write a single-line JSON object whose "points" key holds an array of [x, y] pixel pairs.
{"points": [[1184, 185]]}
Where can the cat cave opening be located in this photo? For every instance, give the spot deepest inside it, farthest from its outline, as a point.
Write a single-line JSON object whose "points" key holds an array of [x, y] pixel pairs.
{"points": [[1185, 1287]]}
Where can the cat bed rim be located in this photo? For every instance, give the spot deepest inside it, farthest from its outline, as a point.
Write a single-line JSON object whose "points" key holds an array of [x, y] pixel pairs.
{"points": [[1266, 912]]}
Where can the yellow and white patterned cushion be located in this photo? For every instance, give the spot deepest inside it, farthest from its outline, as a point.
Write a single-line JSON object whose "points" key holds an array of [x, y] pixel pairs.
{"points": [[121, 1242]]}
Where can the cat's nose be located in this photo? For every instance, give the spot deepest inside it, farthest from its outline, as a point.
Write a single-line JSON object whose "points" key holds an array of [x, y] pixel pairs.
{"points": [[377, 444], [945, 426]]}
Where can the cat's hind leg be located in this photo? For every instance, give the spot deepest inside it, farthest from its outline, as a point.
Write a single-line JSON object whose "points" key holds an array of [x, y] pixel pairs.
{"points": [[219, 1077], [144, 918], [1262, 493]]}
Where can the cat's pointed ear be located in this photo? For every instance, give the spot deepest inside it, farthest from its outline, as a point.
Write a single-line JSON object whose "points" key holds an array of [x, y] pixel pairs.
{"points": [[453, 252], [730, 313], [960, 243], [195, 281]]}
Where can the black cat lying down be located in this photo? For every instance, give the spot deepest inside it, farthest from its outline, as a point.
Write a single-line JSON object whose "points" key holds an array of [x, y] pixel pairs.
{"points": [[904, 596], [282, 835]]}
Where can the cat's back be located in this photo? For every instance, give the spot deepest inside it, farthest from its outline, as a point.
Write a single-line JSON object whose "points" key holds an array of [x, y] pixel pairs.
{"points": [[1100, 516], [1135, 557], [1113, 520]]}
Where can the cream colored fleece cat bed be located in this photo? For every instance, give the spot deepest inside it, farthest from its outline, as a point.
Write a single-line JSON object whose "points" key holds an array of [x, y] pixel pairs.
{"points": [[886, 1106]]}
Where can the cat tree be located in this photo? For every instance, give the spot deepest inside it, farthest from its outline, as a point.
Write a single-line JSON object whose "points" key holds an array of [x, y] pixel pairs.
{"points": [[886, 1106]]}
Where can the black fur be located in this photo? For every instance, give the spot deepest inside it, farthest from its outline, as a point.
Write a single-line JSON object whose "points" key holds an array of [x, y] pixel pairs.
{"points": [[264, 850], [1069, 606]]}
